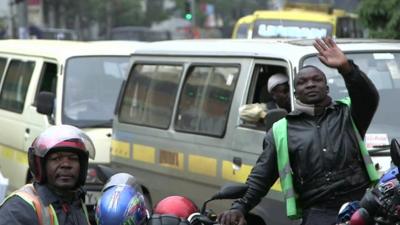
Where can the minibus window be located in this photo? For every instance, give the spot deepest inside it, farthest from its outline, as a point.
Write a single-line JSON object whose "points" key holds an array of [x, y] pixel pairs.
{"points": [[16, 85], [150, 94], [242, 31], [258, 97], [48, 80], [345, 28], [205, 100], [91, 88]]}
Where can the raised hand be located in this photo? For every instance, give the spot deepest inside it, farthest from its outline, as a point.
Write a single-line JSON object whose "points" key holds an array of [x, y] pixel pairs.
{"points": [[331, 55]]}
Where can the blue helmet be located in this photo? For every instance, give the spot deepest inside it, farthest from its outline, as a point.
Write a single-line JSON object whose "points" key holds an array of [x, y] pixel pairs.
{"points": [[121, 203]]}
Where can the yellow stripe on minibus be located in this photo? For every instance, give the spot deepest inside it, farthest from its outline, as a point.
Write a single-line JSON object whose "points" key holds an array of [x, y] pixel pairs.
{"points": [[7, 153], [171, 159], [228, 173], [21, 157], [14, 155], [203, 165], [277, 186], [120, 149], [241, 175], [144, 153]]}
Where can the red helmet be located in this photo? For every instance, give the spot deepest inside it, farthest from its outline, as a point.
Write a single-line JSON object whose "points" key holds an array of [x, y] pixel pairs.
{"points": [[176, 205], [65, 138]]}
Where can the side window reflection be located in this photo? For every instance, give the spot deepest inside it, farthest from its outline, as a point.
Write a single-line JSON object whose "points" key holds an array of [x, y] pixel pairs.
{"points": [[206, 99]]}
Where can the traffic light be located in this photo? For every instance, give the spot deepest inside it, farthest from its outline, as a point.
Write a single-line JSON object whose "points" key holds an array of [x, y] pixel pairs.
{"points": [[188, 10]]}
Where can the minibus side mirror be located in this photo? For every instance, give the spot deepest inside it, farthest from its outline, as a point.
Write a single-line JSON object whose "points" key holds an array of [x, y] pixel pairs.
{"points": [[395, 151], [272, 116], [45, 103]]}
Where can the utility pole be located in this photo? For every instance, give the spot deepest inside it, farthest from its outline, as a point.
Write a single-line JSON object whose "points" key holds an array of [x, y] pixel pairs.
{"points": [[193, 9], [11, 27], [22, 13]]}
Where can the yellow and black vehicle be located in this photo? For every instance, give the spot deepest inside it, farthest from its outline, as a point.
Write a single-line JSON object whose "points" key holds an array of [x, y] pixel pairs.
{"points": [[298, 21]]}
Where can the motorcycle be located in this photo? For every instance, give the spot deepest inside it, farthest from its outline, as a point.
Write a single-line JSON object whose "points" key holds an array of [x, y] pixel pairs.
{"points": [[381, 204], [202, 216], [207, 216]]}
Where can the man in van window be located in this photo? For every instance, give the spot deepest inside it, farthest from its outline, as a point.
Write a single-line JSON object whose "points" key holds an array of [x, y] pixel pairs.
{"points": [[58, 160], [278, 88], [316, 150]]}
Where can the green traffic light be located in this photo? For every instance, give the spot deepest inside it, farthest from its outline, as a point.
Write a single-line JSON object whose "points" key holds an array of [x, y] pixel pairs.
{"points": [[188, 16]]}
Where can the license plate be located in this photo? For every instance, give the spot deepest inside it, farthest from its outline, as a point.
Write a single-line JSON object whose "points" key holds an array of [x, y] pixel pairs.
{"points": [[92, 197]]}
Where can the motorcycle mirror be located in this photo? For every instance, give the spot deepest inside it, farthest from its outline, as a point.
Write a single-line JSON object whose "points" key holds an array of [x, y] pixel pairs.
{"points": [[395, 151], [231, 191], [104, 173], [228, 191]]}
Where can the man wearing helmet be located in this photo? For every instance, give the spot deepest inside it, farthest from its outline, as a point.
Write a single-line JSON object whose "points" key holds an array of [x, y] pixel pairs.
{"points": [[58, 161]]}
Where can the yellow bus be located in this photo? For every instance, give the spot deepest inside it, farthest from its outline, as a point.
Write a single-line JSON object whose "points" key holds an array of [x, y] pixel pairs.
{"points": [[298, 21]]}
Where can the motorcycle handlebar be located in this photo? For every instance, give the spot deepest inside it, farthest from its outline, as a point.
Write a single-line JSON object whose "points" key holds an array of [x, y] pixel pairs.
{"points": [[199, 219]]}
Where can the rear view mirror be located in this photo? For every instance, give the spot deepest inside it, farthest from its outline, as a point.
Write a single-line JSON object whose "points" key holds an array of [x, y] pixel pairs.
{"points": [[45, 103], [228, 191], [395, 151], [272, 116], [231, 191], [104, 172]]}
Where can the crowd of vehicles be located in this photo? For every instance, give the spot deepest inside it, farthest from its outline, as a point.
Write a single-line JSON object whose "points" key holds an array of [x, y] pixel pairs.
{"points": [[177, 126], [45, 83], [298, 21], [122, 201], [173, 107]]}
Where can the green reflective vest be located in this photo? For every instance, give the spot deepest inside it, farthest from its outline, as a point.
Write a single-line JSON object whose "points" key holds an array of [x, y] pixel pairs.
{"points": [[285, 171]]}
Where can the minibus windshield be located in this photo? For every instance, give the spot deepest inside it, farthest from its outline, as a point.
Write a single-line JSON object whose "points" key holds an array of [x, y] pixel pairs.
{"points": [[383, 69], [91, 89]]}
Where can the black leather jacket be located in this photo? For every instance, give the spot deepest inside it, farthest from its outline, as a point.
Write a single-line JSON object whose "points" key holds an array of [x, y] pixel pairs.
{"points": [[323, 151]]}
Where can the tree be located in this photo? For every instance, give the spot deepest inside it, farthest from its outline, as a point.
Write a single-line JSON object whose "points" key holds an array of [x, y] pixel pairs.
{"points": [[154, 12], [381, 18]]}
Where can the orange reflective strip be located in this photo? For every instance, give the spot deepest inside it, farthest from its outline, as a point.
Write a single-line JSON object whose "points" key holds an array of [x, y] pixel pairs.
{"points": [[36, 204], [46, 216]]}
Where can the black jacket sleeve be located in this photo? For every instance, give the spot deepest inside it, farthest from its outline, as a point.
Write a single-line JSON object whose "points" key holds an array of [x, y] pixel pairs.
{"points": [[364, 98], [262, 176], [17, 212]]}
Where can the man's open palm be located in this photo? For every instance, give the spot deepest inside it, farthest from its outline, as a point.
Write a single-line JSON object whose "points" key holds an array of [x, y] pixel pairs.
{"points": [[329, 53]]}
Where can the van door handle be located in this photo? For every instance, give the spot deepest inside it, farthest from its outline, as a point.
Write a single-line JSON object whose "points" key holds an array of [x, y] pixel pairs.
{"points": [[236, 164], [27, 131]]}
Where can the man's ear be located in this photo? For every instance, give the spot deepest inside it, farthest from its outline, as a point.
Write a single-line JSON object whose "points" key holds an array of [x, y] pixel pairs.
{"points": [[327, 89]]}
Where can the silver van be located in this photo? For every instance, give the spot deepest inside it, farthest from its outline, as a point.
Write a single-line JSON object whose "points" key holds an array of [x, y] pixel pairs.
{"points": [[178, 128]]}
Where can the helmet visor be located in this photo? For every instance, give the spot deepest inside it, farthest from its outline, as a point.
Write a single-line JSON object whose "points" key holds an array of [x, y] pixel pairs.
{"points": [[121, 179], [63, 136]]}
